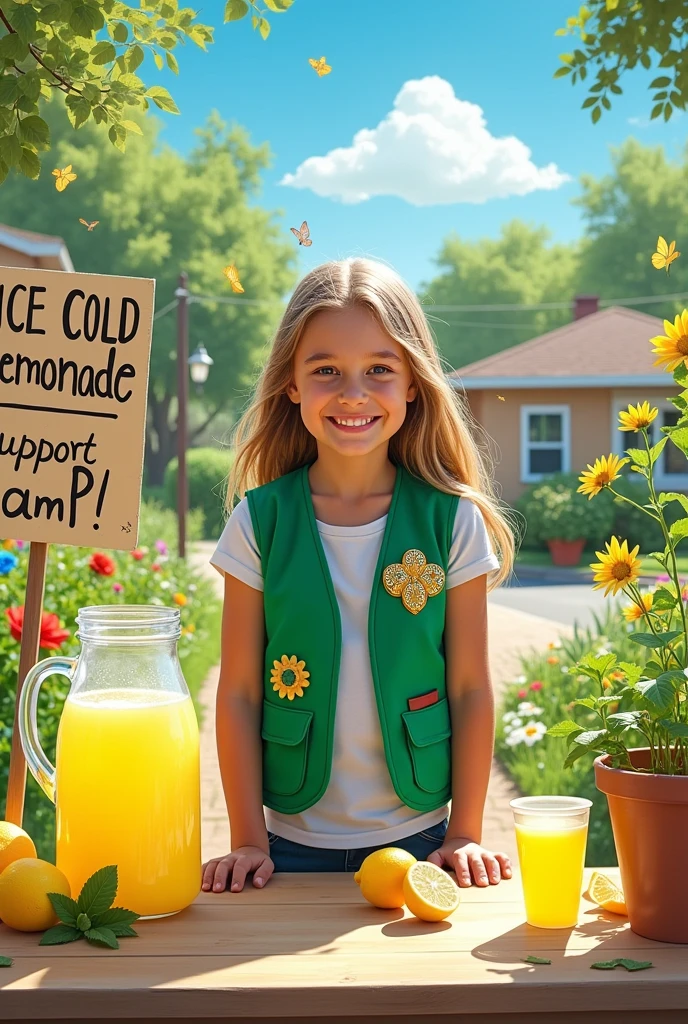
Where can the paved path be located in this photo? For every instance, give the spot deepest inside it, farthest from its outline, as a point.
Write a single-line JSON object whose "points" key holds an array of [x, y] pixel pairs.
{"points": [[510, 632]]}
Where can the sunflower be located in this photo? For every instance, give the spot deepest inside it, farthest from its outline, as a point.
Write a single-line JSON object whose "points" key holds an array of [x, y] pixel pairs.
{"points": [[288, 676], [637, 417], [617, 567], [672, 347], [632, 612], [595, 478]]}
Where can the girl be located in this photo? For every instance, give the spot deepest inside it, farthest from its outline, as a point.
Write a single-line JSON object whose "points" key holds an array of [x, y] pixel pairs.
{"points": [[354, 698]]}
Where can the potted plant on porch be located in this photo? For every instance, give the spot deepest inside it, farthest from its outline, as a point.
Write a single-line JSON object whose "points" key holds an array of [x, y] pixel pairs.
{"points": [[636, 718], [563, 519]]}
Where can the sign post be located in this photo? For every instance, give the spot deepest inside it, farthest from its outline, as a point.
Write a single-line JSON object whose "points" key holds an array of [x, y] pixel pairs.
{"points": [[74, 362]]}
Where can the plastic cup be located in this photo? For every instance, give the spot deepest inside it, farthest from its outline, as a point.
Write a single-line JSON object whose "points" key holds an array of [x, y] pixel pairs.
{"points": [[551, 835]]}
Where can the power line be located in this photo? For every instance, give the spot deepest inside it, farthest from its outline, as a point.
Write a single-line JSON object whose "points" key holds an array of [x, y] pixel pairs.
{"points": [[511, 306], [502, 307]]}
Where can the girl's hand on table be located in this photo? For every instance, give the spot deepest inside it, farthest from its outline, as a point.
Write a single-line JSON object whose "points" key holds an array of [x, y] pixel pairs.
{"points": [[471, 862], [230, 872]]}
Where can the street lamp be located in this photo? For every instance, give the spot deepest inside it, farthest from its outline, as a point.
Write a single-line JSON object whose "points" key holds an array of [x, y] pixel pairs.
{"points": [[199, 365]]}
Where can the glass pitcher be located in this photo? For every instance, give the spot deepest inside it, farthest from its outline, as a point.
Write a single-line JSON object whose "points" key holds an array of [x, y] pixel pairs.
{"points": [[127, 782]]}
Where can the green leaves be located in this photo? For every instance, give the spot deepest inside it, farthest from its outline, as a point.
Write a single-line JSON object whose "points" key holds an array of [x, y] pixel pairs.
{"points": [[655, 640], [536, 960], [6, 961], [91, 917], [620, 961], [98, 892], [89, 70], [563, 728], [235, 10], [660, 692]]}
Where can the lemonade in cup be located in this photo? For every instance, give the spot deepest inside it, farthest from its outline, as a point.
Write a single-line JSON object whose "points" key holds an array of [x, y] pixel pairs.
{"points": [[551, 835]]}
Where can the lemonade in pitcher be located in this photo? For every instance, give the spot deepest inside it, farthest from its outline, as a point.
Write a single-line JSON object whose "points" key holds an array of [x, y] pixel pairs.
{"points": [[127, 781]]}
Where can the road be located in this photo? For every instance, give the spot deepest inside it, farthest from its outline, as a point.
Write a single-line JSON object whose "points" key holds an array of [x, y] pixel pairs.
{"points": [[568, 603]]}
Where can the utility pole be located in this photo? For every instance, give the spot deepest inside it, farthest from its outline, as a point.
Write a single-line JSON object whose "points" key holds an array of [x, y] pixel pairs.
{"points": [[182, 404]]}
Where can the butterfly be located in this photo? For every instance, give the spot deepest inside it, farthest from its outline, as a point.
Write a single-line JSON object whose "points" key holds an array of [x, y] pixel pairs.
{"points": [[665, 255], [303, 234], [232, 275], [89, 224], [320, 66], [501, 398], [63, 177]]}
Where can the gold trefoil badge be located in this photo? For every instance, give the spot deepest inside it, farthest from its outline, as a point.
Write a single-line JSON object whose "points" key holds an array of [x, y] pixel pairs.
{"points": [[414, 580], [288, 677]]}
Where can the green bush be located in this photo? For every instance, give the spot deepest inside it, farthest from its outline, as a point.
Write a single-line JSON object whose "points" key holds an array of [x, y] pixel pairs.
{"points": [[158, 521], [72, 584], [553, 508], [207, 470], [544, 694]]}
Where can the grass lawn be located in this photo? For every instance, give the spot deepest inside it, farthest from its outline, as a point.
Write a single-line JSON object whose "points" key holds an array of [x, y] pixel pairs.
{"points": [[649, 567]]}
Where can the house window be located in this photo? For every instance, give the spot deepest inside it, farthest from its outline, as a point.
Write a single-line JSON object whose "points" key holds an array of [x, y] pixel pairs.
{"points": [[545, 434], [671, 471], [673, 461]]}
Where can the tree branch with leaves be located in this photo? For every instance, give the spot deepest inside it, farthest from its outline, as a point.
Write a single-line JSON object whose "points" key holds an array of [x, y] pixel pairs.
{"points": [[91, 50], [618, 35]]}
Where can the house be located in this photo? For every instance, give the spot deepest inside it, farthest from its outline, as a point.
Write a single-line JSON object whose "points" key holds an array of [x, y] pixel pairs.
{"points": [[19, 248], [562, 393]]}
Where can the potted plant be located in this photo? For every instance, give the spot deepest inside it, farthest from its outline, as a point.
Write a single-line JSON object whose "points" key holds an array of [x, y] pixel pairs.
{"points": [[560, 517], [638, 724]]}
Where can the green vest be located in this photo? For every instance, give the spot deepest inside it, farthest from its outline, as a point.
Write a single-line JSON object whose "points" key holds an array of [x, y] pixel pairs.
{"points": [[302, 623]]}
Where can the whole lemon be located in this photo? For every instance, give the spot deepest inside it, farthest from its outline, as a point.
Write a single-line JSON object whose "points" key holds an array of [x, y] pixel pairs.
{"points": [[24, 888], [382, 874], [14, 843]]}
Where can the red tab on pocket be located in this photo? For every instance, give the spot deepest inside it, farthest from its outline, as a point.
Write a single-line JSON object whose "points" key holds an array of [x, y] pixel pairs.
{"points": [[416, 703]]}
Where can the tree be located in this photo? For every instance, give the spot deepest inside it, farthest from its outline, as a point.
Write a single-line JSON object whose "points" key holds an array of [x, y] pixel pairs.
{"points": [[616, 36], [624, 212], [53, 45], [519, 267], [159, 214]]}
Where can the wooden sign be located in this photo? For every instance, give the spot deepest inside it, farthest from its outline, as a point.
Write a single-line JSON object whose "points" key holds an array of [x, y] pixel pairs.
{"points": [[74, 358]]}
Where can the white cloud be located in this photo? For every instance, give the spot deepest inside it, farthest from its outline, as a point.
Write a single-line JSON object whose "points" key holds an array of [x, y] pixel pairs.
{"points": [[431, 149]]}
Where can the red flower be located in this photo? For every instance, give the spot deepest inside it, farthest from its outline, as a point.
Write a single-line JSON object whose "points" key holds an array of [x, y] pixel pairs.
{"points": [[155, 567], [537, 685], [522, 693], [102, 564], [138, 554], [52, 637]]}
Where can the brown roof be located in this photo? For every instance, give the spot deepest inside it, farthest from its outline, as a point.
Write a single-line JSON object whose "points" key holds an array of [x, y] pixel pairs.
{"points": [[32, 236], [611, 343]]}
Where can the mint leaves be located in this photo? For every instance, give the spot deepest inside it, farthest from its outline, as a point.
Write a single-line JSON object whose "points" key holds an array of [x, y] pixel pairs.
{"points": [[6, 961], [92, 916], [536, 960], [620, 961]]}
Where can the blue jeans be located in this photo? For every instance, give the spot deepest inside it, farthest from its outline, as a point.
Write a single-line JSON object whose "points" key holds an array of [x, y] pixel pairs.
{"points": [[288, 856]]}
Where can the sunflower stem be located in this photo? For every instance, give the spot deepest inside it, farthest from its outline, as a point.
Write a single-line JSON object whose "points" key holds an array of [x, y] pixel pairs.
{"points": [[667, 540]]}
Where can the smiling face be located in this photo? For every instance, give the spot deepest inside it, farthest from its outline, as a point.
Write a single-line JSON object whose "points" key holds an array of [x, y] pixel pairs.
{"points": [[352, 381]]}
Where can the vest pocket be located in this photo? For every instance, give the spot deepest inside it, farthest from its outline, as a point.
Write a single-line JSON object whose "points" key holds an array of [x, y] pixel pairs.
{"points": [[284, 732], [429, 731]]}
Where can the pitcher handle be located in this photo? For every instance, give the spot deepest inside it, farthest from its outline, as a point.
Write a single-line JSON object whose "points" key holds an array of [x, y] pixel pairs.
{"points": [[39, 765]]}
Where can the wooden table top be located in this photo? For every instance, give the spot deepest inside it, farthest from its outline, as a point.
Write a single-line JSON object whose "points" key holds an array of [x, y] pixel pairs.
{"points": [[309, 946]]}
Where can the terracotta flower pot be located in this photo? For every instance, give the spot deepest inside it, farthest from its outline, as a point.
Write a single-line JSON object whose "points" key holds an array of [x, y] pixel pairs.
{"points": [[565, 552], [649, 815]]}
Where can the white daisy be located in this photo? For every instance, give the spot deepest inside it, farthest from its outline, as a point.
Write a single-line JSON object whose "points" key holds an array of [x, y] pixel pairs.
{"points": [[526, 707]]}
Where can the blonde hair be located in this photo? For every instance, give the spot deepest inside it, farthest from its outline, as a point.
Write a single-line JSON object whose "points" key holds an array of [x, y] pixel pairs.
{"points": [[436, 441]]}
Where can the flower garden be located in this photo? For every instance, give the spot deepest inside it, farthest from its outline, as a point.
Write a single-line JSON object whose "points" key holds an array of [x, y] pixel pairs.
{"points": [[76, 577], [622, 686]]}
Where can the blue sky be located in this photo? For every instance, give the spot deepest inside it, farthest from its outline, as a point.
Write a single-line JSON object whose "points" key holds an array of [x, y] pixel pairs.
{"points": [[497, 55]]}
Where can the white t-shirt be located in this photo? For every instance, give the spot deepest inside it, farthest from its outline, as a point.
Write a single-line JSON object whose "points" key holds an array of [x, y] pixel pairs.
{"points": [[360, 807]]}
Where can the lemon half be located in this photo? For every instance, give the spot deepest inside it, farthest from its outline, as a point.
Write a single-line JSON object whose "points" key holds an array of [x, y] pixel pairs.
{"points": [[430, 892]]}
